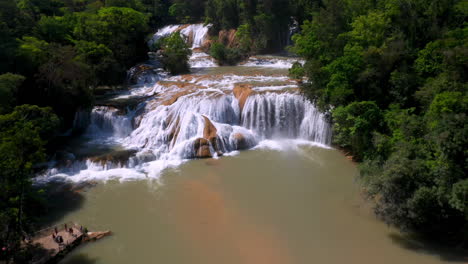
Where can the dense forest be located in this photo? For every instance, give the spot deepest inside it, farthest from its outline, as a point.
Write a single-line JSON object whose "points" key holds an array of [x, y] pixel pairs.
{"points": [[391, 73]]}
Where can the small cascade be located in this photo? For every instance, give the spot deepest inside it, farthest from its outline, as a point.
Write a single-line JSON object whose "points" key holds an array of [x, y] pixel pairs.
{"points": [[293, 29], [272, 62], [146, 73], [109, 121], [201, 60], [196, 34], [81, 121], [163, 32]]}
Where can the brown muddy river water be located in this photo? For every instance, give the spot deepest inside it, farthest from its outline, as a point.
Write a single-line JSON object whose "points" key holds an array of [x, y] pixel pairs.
{"points": [[295, 206], [266, 200]]}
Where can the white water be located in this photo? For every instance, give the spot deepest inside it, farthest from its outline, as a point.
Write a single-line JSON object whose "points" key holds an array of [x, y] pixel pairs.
{"points": [[196, 115], [195, 35], [272, 62]]}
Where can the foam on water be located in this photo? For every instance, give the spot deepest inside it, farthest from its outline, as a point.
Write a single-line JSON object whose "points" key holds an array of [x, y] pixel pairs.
{"points": [[272, 62], [190, 116]]}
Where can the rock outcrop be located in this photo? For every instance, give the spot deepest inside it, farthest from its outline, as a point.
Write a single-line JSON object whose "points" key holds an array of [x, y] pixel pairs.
{"points": [[240, 141], [242, 93], [228, 37], [202, 148]]}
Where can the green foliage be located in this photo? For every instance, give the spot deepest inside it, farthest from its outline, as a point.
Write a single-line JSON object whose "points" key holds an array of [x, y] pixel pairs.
{"points": [[9, 85], [134, 4], [244, 38], [353, 127], [459, 198], [54, 53], [370, 29], [225, 55], [63, 76], [265, 24], [23, 135], [122, 30], [180, 11], [54, 29], [297, 71], [223, 14], [409, 58], [33, 50], [175, 53], [101, 61]]}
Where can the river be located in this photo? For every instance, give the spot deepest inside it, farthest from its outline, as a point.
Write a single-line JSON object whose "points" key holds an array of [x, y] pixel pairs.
{"points": [[222, 165]]}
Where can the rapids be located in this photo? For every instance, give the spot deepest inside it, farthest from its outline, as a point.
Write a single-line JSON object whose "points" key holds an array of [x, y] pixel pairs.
{"points": [[211, 112]]}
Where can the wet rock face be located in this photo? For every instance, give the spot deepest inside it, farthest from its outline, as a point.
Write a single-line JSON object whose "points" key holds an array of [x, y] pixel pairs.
{"points": [[228, 37], [240, 141], [117, 157], [210, 131], [202, 148], [242, 93]]}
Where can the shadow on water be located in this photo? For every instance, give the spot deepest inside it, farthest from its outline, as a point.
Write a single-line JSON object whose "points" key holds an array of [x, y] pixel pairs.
{"points": [[415, 244], [79, 259], [61, 199]]}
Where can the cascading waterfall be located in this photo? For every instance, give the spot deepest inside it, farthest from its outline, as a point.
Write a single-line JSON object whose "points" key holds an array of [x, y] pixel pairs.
{"points": [[197, 115], [274, 115], [108, 121]]}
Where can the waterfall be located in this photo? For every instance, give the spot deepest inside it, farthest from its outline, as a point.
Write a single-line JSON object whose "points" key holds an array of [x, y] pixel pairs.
{"points": [[109, 121], [200, 115], [81, 121], [195, 34]]}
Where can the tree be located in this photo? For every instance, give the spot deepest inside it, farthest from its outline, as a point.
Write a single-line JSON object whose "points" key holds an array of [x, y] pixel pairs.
{"points": [[180, 11], [354, 125], [175, 53], [122, 30], [9, 85], [23, 135], [101, 61], [54, 29], [63, 76]]}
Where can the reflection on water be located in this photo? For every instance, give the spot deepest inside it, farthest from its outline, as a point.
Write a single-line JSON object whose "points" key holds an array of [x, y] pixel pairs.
{"points": [[264, 206]]}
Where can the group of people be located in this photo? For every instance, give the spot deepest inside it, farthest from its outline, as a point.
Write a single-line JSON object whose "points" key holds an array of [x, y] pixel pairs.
{"points": [[58, 238]]}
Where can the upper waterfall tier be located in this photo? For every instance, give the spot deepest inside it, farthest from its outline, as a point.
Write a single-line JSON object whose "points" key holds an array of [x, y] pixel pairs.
{"points": [[195, 34]]}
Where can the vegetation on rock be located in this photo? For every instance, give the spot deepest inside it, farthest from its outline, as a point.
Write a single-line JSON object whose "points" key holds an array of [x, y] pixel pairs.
{"points": [[174, 53]]}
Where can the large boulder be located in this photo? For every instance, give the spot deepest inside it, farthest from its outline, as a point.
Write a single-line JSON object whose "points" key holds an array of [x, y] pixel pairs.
{"points": [[201, 148], [240, 141], [211, 133], [242, 93]]}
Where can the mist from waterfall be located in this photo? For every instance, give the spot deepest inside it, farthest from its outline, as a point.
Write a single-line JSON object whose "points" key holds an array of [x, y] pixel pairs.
{"points": [[200, 115]]}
